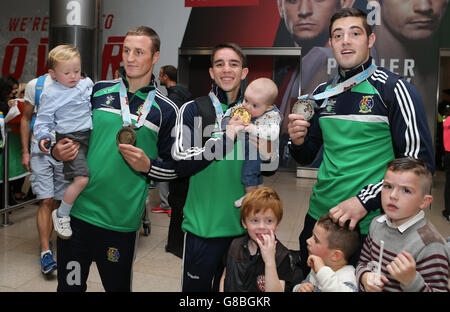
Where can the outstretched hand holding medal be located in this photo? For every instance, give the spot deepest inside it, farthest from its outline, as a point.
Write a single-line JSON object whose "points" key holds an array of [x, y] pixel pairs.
{"points": [[304, 107], [302, 112], [298, 127]]}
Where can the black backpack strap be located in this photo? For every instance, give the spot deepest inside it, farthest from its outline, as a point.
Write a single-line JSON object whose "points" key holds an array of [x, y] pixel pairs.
{"points": [[207, 112]]}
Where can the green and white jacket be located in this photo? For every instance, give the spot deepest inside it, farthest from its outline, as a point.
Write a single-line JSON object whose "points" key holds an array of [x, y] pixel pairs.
{"points": [[362, 129]]}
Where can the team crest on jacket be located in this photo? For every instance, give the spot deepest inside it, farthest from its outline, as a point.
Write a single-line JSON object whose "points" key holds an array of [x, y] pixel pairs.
{"points": [[260, 281], [113, 254], [109, 100], [366, 104], [329, 106]]}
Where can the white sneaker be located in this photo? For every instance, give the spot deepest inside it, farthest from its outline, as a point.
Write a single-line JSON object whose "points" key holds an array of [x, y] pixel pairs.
{"points": [[238, 203], [62, 226]]}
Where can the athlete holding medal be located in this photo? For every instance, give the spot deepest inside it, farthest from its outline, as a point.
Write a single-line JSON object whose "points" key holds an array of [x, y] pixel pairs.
{"points": [[366, 117], [130, 144]]}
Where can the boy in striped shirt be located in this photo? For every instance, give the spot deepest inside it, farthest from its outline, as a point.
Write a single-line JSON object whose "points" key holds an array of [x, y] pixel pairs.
{"points": [[415, 256]]}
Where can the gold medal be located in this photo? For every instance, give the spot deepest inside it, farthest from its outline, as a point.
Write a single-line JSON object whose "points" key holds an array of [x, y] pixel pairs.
{"points": [[126, 135], [242, 113], [303, 107]]}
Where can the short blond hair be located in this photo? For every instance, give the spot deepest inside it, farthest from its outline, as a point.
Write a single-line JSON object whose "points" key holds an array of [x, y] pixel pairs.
{"points": [[267, 87], [62, 53], [149, 32]]}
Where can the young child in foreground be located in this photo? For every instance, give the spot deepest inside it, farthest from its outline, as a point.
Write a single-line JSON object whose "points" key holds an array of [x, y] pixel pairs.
{"points": [[259, 98], [330, 247], [65, 107], [415, 256], [257, 261]]}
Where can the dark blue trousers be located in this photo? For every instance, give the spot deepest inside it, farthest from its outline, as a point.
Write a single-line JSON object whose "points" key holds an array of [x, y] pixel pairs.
{"points": [[203, 262], [112, 251]]}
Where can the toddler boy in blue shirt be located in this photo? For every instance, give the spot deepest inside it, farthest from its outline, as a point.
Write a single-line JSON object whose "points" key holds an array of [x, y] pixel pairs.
{"points": [[66, 108]]}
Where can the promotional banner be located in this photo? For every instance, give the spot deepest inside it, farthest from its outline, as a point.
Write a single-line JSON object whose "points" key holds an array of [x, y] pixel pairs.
{"points": [[25, 26], [24, 30]]}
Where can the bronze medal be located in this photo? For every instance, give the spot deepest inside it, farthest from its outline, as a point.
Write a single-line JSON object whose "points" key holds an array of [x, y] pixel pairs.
{"points": [[303, 107], [242, 113], [126, 135]]}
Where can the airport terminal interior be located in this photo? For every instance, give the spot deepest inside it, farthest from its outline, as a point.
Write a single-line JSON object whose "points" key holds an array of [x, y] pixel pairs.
{"points": [[155, 270]]}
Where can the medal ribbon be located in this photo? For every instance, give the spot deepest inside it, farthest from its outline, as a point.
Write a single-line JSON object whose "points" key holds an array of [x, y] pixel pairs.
{"points": [[219, 111], [125, 108], [217, 106], [343, 86]]}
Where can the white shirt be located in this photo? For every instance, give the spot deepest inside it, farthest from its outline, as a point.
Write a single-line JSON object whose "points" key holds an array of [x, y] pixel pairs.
{"points": [[326, 280], [402, 228]]}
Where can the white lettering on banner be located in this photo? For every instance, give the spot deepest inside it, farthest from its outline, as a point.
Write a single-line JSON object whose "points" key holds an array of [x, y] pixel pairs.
{"points": [[395, 66], [374, 16], [74, 16], [408, 70]]}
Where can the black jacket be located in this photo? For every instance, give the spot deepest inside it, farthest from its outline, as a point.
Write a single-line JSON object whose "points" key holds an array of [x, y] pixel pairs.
{"points": [[179, 95]]}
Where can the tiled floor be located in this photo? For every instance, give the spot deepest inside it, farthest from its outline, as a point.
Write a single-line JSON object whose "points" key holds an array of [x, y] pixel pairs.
{"points": [[154, 269]]}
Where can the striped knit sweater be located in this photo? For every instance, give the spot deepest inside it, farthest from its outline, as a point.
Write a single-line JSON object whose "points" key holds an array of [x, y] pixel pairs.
{"points": [[421, 240]]}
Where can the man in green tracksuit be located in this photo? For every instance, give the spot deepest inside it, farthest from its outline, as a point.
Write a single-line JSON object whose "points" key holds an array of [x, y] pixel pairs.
{"points": [[210, 219], [107, 215], [366, 117]]}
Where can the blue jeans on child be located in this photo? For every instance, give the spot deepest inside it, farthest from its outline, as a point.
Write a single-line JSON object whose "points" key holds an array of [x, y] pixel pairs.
{"points": [[251, 169]]}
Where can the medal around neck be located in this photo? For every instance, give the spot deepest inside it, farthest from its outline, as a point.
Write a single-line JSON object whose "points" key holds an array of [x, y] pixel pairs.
{"points": [[304, 107], [126, 135], [242, 113]]}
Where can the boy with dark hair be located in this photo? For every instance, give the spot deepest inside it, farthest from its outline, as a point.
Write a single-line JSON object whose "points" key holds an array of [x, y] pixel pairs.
{"points": [[415, 256], [330, 248], [258, 261]]}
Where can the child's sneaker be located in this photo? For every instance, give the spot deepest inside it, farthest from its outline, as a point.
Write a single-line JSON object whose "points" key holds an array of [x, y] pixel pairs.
{"points": [[238, 203], [62, 226], [48, 264]]}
